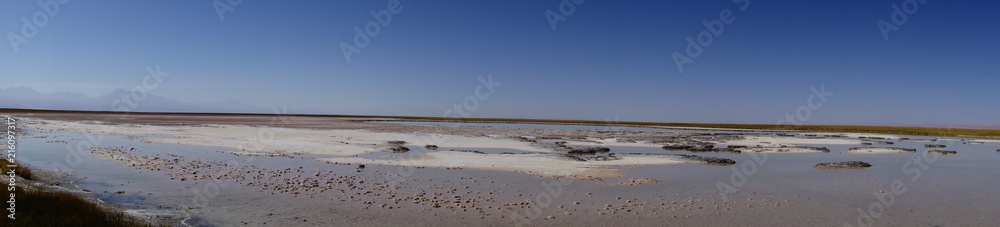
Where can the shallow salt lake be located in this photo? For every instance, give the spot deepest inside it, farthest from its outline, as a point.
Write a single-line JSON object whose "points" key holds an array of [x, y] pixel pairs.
{"points": [[932, 190]]}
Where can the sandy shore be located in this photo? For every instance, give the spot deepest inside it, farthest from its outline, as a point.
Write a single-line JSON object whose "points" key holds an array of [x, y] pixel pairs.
{"points": [[345, 143], [878, 150], [788, 141], [281, 140], [777, 144], [345, 140], [986, 141], [858, 135], [792, 150], [592, 141]]}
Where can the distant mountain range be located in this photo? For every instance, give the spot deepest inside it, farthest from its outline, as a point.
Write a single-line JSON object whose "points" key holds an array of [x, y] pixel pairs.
{"points": [[28, 98]]}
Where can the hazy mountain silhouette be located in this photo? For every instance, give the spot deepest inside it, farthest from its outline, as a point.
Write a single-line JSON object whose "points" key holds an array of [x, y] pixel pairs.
{"points": [[28, 98]]}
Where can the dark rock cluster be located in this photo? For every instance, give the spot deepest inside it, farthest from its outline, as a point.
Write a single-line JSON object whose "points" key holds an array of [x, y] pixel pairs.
{"points": [[610, 157], [870, 142], [890, 148], [714, 160], [398, 149], [941, 152], [690, 147], [784, 148], [823, 149], [525, 139], [843, 165], [916, 140], [470, 151], [707, 148], [588, 150], [722, 149], [708, 160]]}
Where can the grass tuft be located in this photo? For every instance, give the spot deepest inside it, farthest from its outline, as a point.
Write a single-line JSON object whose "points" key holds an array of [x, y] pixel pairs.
{"points": [[19, 170], [41, 208], [37, 207]]}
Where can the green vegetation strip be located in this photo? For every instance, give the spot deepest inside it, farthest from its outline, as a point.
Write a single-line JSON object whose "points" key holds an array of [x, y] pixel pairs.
{"points": [[916, 131]]}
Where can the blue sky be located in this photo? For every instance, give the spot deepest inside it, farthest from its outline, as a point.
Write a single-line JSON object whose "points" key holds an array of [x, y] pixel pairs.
{"points": [[608, 59]]}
